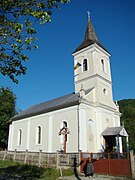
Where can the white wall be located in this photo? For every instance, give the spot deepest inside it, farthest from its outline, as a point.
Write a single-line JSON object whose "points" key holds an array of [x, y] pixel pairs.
{"points": [[50, 126], [96, 119]]}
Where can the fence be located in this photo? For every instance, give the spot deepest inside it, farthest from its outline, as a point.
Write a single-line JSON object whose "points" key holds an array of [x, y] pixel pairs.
{"points": [[40, 158], [113, 164], [116, 164]]}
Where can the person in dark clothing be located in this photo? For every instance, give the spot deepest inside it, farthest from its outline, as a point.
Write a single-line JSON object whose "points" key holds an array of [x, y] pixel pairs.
{"points": [[75, 165], [88, 168]]}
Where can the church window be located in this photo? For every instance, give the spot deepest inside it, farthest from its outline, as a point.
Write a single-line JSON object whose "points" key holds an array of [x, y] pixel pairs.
{"points": [[39, 135], [105, 91], [102, 65], [20, 137], [85, 65], [90, 126], [107, 121]]}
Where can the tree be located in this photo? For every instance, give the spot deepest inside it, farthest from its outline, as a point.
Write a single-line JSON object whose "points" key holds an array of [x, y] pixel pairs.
{"points": [[7, 110], [17, 33], [127, 108]]}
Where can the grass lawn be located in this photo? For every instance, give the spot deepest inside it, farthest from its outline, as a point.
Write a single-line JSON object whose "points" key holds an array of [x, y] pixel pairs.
{"points": [[14, 170]]}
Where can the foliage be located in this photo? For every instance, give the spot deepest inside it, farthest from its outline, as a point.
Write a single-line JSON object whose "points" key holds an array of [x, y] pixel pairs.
{"points": [[127, 108], [7, 110], [17, 33], [7, 163], [68, 172], [20, 171], [14, 170], [52, 173]]}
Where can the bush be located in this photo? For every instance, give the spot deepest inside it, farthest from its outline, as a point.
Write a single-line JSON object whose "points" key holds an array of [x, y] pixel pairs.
{"points": [[13, 170]]}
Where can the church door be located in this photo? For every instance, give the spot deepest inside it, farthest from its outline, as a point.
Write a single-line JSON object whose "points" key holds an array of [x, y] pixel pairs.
{"points": [[110, 142]]}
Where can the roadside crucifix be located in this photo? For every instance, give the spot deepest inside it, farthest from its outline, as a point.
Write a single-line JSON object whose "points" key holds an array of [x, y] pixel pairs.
{"points": [[64, 131]]}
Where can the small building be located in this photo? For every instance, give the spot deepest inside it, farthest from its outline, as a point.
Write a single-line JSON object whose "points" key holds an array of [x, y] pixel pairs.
{"points": [[84, 120]]}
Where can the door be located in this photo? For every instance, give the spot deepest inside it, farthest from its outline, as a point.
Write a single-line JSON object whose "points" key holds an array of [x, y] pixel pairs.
{"points": [[110, 142]]}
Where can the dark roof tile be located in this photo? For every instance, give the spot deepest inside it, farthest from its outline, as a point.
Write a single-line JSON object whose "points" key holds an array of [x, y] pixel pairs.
{"points": [[90, 38], [55, 104]]}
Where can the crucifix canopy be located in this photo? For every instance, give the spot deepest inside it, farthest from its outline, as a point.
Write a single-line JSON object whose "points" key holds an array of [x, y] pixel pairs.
{"points": [[115, 131]]}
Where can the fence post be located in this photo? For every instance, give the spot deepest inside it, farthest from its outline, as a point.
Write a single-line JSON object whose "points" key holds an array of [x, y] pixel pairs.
{"points": [[67, 158], [26, 156], [80, 159], [14, 154], [109, 163], [48, 159], [5, 152], [132, 163], [57, 163], [39, 160]]}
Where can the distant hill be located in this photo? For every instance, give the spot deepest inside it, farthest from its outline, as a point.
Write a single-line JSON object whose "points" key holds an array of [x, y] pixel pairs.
{"points": [[127, 108]]}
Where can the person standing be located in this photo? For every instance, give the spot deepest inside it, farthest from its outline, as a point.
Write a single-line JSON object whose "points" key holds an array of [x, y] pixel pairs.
{"points": [[88, 168]]}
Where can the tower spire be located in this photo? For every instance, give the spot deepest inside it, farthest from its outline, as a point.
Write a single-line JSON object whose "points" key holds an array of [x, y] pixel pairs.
{"points": [[90, 36]]}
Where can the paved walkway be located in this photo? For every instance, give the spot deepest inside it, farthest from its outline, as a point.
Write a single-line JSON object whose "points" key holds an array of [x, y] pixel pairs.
{"points": [[96, 177]]}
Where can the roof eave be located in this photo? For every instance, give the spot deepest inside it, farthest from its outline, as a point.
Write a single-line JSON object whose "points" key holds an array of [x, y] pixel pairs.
{"points": [[62, 106], [87, 45]]}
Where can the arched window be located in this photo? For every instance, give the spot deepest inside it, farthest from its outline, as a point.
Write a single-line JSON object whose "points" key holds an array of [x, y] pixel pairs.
{"points": [[85, 65], [39, 135], [105, 91], [20, 137], [91, 135], [102, 65], [107, 121], [65, 124]]}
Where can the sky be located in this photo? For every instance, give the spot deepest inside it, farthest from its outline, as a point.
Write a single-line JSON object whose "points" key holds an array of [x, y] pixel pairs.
{"points": [[50, 67]]}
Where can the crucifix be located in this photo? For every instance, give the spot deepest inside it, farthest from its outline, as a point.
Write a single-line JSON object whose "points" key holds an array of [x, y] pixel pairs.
{"points": [[64, 131]]}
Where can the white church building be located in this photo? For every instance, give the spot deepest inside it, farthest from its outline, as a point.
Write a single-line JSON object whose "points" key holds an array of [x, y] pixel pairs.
{"points": [[86, 120]]}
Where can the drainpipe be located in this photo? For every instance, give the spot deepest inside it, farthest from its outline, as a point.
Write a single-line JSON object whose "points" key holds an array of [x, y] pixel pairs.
{"points": [[81, 97], [78, 128]]}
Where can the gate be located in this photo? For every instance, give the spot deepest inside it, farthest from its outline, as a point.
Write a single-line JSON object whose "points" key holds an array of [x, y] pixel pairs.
{"points": [[116, 164]]}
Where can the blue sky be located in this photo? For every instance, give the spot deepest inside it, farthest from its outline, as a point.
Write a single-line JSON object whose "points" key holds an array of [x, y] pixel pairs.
{"points": [[50, 68]]}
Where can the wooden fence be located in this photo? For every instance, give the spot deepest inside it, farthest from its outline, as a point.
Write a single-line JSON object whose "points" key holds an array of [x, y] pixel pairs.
{"points": [[109, 162], [40, 158]]}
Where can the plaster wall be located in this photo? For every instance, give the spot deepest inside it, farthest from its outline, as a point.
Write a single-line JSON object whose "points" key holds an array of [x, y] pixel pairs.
{"points": [[50, 124]]}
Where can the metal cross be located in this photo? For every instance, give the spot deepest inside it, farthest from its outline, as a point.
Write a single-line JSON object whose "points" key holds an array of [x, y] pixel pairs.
{"points": [[88, 14]]}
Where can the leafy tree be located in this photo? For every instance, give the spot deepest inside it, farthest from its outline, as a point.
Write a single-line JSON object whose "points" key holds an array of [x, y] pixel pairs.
{"points": [[7, 110], [127, 108], [17, 33]]}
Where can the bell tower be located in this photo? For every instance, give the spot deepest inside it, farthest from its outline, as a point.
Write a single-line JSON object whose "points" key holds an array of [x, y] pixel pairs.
{"points": [[92, 69]]}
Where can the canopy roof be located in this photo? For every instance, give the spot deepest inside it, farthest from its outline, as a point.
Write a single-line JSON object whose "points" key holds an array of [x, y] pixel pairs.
{"points": [[115, 131]]}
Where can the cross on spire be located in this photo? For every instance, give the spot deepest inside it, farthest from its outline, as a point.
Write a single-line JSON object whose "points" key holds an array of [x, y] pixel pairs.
{"points": [[88, 14]]}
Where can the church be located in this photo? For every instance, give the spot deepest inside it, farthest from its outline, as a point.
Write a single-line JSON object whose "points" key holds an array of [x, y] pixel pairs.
{"points": [[87, 120]]}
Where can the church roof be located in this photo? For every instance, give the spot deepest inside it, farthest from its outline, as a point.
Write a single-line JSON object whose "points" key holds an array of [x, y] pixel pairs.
{"points": [[55, 104], [90, 38]]}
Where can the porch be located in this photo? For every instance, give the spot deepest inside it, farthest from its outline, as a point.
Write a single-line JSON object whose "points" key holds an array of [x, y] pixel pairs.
{"points": [[113, 139]]}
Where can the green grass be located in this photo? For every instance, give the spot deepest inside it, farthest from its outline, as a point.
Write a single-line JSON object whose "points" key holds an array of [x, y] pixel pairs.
{"points": [[4, 164], [13, 170]]}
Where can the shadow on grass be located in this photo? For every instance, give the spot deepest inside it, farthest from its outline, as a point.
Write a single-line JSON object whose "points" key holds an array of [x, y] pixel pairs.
{"points": [[21, 172]]}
